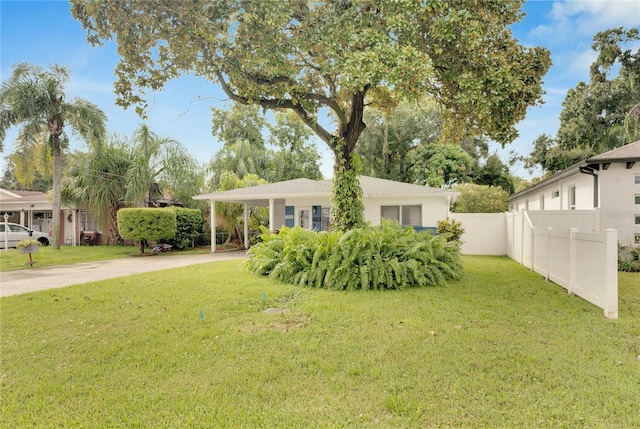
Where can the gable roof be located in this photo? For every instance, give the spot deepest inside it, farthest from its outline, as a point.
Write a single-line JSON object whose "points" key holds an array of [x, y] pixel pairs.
{"points": [[627, 153], [371, 187]]}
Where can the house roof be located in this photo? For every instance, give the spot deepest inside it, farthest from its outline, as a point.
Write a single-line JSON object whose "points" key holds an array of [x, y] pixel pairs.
{"points": [[627, 153], [371, 187]]}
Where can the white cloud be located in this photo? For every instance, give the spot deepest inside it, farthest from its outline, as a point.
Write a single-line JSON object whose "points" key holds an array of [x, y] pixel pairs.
{"points": [[584, 18]]}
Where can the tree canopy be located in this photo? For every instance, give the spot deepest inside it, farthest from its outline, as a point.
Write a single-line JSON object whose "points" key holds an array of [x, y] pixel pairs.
{"points": [[600, 115], [311, 56]]}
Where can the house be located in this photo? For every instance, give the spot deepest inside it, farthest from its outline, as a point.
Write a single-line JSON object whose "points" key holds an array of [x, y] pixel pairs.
{"points": [[35, 210], [306, 203], [608, 183]]}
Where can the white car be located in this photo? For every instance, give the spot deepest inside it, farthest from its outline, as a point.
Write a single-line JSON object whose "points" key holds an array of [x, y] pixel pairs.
{"points": [[12, 234]]}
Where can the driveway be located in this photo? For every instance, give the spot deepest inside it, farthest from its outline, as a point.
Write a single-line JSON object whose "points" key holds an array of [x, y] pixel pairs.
{"points": [[35, 279]]}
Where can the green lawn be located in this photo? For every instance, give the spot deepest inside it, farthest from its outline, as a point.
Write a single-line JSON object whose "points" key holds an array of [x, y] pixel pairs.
{"points": [[12, 259], [499, 348]]}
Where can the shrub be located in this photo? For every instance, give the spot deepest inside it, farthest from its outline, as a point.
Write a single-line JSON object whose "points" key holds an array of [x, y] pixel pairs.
{"points": [[188, 225], [384, 257], [450, 228], [631, 262], [143, 224], [480, 199]]}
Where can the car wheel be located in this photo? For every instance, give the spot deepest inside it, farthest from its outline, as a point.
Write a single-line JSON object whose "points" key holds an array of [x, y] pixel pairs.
{"points": [[43, 241]]}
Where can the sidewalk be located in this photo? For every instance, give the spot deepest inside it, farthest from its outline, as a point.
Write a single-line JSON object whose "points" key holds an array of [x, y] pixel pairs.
{"points": [[35, 279]]}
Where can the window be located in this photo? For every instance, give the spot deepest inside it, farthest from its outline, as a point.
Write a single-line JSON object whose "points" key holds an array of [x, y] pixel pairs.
{"points": [[86, 222], [637, 219], [390, 212], [555, 194], [637, 179], [409, 215], [637, 199], [572, 198], [637, 236]]}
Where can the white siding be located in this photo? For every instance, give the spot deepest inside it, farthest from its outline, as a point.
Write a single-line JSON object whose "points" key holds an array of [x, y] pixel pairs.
{"points": [[617, 199]]}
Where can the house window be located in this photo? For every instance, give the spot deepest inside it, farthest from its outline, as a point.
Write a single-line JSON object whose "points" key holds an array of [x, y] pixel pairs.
{"points": [[637, 236], [637, 199], [410, 215], [390, 212], [572, 198], [555, 194], [637, 219], [86, 222], [637, 179]]}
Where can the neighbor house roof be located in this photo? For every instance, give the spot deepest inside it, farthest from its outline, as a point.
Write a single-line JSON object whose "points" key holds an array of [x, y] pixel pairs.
{"points": [[626, 153], [371, 187]]}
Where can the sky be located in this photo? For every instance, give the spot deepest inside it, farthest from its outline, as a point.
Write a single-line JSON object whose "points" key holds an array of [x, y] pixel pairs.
{"points": [[44, 33]]}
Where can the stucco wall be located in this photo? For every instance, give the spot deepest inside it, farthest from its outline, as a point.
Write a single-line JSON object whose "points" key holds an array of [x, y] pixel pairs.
{"points": [[617, 199]]}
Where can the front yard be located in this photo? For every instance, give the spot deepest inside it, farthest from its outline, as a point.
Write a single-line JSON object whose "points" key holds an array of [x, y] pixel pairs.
{"points": [[213, 346]]}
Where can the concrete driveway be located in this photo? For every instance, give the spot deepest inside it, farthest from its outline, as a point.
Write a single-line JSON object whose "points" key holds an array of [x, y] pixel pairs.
{"points": [[35, 279]]}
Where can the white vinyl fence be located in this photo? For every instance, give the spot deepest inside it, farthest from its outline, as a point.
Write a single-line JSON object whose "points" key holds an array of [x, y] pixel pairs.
{"points": [[559, 245]]}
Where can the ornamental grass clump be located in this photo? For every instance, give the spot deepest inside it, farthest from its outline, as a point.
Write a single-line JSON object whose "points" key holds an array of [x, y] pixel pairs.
{"points": [[384, 257]]}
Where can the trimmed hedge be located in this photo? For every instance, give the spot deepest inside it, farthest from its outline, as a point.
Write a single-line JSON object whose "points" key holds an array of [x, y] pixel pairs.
{"points": [[141, 224], [188, 226], [385, 257]]}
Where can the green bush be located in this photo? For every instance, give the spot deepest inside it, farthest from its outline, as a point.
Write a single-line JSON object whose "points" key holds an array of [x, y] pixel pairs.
{"points": [[188, 226], [384, 257], [142, 224], [630, 263], [450, 228]]}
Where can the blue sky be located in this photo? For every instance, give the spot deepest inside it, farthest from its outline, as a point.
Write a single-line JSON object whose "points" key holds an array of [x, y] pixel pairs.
{"points": [[44, 33]]}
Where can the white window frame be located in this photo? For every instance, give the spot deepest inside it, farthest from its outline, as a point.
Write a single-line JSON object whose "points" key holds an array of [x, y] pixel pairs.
{"points": [[572, 197], [555, 193]]}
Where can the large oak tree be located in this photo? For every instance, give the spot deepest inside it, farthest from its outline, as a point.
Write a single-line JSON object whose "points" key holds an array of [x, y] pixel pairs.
{"points": [[331, 56]]}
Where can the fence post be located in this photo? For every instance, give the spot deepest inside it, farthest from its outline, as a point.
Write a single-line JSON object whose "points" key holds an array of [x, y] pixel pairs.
{"points": [[611, 276], [573, 260], [548, 274], [533, 249]]}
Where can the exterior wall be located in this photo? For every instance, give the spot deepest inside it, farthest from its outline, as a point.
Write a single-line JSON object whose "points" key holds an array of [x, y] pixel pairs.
{"points": [[584, 195], [617, 199], [433, 208]]}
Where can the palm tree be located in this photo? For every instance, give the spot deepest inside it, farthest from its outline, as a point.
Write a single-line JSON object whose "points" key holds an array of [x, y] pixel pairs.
{"points": [[161, 167], [97, 180], [132, 172], [34, 99]]}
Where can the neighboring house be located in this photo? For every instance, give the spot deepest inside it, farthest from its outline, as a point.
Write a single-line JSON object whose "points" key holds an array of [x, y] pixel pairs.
{"points": [[609, 183], [35, 210], [306, 203]]}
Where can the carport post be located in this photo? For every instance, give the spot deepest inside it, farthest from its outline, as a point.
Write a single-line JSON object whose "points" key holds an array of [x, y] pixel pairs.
{"points": [[6, 232], [272, 220], [213, 226], [246, 226]]}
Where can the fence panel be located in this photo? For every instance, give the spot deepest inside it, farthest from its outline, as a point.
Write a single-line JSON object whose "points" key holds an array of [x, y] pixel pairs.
{"points": [[485, 233]]}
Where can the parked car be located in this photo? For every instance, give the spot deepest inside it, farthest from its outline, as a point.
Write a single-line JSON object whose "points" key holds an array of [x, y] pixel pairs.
{"points": [[14, 233]]}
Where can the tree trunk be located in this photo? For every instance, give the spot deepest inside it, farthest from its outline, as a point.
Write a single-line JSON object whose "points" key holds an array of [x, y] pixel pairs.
{"points": [[56, 152], [111, 225], [347, 208]]}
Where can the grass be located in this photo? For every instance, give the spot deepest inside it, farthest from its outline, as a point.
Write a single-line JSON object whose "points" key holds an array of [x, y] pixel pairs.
{"points": [[12, 259], [499, 348]]}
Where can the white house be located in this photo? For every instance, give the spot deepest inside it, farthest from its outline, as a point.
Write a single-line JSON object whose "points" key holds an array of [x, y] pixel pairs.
{"points": [[35, 210], [306, 203], [608, 183]]}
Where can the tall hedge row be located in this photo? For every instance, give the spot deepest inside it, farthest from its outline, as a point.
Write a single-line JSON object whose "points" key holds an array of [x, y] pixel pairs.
{"points": [[188, 225], [384, 257]]}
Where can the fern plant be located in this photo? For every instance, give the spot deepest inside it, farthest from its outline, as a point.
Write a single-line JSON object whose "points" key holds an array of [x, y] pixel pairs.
{"points": [[384, 257]]}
